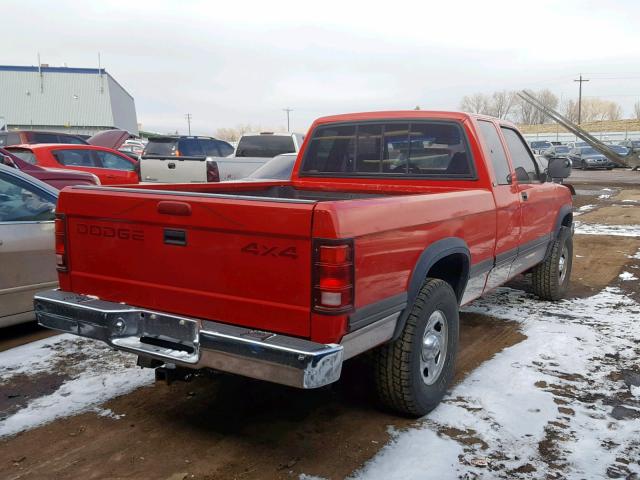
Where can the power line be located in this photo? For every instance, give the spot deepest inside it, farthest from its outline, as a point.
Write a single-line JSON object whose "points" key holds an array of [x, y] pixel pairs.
{"points": [[188, 116], [288, 110], [580, 80]]}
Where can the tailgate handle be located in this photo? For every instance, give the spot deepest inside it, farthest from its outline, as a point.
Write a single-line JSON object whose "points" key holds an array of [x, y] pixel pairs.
{"points": [[171, 166], [174, 208], [175, 237]]}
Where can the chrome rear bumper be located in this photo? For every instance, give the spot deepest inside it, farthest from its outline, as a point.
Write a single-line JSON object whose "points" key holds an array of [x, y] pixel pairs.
{"points": [[197, 343]]}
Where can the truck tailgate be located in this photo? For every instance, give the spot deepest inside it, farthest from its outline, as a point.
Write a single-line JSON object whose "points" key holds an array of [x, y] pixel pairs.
{"points": [[173, 169], [205, 256]]}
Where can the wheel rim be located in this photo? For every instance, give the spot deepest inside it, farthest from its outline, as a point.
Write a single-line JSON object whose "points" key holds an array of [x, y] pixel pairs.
{"points": [[563, 262], [434, 347]]}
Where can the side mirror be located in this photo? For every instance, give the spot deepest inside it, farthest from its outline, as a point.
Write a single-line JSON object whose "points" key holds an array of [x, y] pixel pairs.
{"points": [[559, 168]]}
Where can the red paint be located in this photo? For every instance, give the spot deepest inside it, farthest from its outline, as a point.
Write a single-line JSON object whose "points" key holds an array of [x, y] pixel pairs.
{"points": [[251, 262], [44, 155]]}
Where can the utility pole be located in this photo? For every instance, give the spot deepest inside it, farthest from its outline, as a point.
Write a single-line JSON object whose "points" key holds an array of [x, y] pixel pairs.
{"points": [[580, 80], [188, 116], [288, 110]]}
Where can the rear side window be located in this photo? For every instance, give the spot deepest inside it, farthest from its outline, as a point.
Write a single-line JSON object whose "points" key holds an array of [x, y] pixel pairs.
{"points": [[26, 155], [434, 149], [264, 145], [523, 163], [210, 147], [499, 161], [75, 158], [23, 202], [225, 148], [113, 161], [190, 147]]}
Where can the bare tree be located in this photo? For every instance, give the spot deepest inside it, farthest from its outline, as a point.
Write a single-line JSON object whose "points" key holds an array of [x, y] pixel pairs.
{"points": [[234, 134], [476, 103], [502, 103], [636, 110], [529, 115], [570, 110]]}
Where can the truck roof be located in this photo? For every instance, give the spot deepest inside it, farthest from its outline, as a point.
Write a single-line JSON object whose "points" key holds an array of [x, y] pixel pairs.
{"points": [[404, 115]]}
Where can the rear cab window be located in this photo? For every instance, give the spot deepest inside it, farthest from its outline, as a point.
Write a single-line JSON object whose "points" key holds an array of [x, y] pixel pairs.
{"points": [[434, 149], [265, 145]]}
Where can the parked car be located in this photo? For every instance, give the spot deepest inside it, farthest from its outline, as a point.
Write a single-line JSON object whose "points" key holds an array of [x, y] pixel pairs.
{"points": [[587, 157], [573, 145], [268, 144], [56, 177], [27, 258], [366, 248], [632, 145], [179, 159], [278, 168], [133, 146], [539, 146], [556, 151], [19, 137], [110, 166]]}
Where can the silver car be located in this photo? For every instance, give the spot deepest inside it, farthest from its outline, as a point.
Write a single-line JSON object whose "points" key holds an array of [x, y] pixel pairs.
{"points": [[27, 258]]}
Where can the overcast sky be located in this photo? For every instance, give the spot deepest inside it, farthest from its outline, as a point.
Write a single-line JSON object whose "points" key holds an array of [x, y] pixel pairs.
{"points": [[243, 62]]}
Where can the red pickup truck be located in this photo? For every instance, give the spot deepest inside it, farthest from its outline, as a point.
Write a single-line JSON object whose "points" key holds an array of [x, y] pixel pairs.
{"points": [[390, 222]]}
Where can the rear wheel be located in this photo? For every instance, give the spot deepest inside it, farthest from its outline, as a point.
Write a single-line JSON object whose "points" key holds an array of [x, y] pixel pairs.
{"points": [[413, 372], [583, 166], [551, 277]]}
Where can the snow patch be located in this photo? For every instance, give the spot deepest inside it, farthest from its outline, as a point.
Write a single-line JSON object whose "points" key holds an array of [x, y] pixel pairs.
{"points": [[615, 230], [627, 276], [93, 373], [541, 408]]}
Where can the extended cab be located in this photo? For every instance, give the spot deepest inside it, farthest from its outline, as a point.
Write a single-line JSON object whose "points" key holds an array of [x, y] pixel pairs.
{"points": [[390, 222]]}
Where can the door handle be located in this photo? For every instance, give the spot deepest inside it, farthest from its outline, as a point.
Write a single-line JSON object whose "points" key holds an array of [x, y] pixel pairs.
{"points": [[524, 195]]}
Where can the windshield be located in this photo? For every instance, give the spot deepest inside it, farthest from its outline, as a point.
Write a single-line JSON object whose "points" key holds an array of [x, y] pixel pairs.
{"points": [[618, 149], [264, 145], [562, 149], [277, 169], [540, 144], [588, 151]]}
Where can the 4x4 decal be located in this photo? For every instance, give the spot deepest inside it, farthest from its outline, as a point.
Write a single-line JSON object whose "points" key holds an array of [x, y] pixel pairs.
{"points": [[267, 251]]}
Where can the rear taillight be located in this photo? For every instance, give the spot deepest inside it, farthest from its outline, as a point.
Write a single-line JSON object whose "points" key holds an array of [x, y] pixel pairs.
{"points": [[61, 242], [333, 276], [213, 174]]}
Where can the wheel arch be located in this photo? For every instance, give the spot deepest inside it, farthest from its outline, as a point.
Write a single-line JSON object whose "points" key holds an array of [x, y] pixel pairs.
{"points": [[448, 259]]}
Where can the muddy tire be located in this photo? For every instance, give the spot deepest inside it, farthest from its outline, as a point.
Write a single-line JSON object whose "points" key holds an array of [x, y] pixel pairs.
{"points": [[413, 372], [550, 278]]}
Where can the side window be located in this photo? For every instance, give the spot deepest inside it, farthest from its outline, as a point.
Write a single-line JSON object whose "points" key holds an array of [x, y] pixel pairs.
{"points": [[499, 161], [190, 147], [22, 202], [523, 163], [116, 162], [44, 138], [210, 147], [75, 158]]}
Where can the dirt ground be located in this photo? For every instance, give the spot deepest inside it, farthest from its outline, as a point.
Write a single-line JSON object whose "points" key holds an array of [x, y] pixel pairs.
{"points": [[232, 428]]}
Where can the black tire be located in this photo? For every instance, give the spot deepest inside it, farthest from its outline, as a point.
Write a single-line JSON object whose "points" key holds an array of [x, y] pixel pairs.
{"points": [[550, 278], [583, 166], [400, 381]]}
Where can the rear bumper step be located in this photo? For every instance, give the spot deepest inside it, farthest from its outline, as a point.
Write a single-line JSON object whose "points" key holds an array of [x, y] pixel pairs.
{"points": [[196, 343]]}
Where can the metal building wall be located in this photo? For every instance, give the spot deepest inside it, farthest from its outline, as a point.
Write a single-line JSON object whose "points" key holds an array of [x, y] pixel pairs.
{"points": [[71, 100]]}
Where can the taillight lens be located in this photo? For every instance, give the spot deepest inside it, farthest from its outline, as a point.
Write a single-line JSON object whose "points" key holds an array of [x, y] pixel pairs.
{"points": [[213, 174], [333, 276], [61, 242]]}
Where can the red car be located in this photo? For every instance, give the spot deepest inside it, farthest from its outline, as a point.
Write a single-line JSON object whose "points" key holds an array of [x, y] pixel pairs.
{"points": [[56, 177], [110, 166], [389, 222]]}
